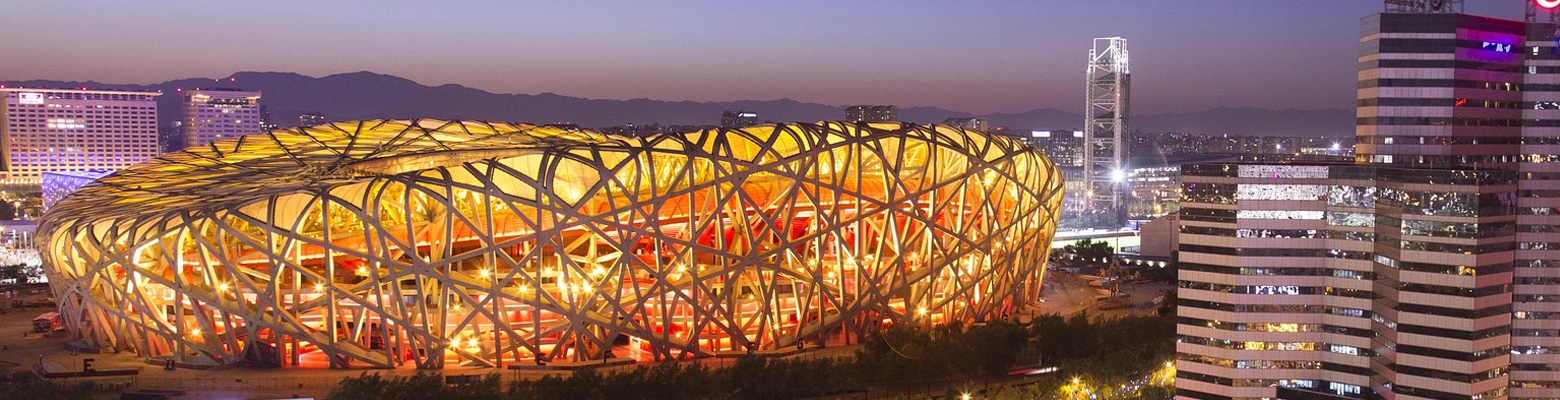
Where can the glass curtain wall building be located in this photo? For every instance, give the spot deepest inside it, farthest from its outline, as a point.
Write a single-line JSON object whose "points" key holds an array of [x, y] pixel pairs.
{"points": [[1347, 281], [1459, 127]]}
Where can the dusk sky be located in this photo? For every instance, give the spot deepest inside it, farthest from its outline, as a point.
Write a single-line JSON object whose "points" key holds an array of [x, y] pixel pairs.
{"points": [[976, 56]]}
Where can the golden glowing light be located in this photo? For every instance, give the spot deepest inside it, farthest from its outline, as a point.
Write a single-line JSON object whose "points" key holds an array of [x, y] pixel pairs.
{"points": [[692, 243]]}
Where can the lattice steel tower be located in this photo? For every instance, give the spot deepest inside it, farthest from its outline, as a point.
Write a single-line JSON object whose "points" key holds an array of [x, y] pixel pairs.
{"points": [[1104, 123]]}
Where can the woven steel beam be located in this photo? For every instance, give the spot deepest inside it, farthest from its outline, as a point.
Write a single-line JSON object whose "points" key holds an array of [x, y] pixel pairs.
{"points": [[434, 243]]}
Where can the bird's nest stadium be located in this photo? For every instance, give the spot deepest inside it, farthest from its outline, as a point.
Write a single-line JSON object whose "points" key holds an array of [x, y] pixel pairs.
{"points": [[435, 243]]}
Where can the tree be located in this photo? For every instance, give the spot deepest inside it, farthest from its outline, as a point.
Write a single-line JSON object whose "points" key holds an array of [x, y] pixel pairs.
{"points": [[1090, 250], [422, 385], [1079, 389], [1018, 393], [1167, 308], [1101, 353], [16, 273], [991, 348], [1156, 392], [28, 385]]}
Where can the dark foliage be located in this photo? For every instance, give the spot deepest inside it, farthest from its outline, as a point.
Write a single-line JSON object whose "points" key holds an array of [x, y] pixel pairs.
{"points": [[1108, 350], [415, 387], [1090, 251], [1167, 308], [27, 385], [926, 353]]}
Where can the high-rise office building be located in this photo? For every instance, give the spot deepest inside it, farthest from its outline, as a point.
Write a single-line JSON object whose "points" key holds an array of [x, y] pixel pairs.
{"points": [[170, 136], [265, 118], [1459, 159], [738, 119], [311, 119], [1064, 147], [1105, 123], [1428, 97], [1344, 281], [871, 113], [1535, 339], [215, 114], [74, 130], [976, 123]]}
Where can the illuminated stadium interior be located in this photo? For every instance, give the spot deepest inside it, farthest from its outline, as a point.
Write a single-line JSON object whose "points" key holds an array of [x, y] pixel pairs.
{"points": [[434, 243]]}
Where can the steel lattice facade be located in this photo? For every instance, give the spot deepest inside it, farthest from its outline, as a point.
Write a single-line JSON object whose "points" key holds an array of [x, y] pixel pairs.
{"points": [[388, 243]]}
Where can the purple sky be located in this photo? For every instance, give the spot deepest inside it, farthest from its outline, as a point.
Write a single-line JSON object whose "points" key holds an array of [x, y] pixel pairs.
{"points": [[977, 56]]}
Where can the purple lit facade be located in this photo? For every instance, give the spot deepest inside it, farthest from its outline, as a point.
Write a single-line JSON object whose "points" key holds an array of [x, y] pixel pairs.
{"points": [[47, 130]]}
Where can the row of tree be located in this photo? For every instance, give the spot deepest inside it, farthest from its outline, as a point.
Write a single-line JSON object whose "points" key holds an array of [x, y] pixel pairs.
{"points": [[1105, 351], [748, 378], [1088, 251], [1126, 358], [28, 385], [919, 353], [1109, 351]]}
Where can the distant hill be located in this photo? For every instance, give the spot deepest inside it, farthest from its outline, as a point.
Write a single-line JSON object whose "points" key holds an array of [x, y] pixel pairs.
{"points": [[367, 95], [1254, 122]]}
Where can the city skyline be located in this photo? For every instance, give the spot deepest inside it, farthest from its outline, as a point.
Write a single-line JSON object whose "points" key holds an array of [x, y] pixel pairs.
{"points": [[987, 58]]}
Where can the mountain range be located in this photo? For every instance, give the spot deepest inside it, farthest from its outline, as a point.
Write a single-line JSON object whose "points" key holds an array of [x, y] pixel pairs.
{"points": [[367, 95]]}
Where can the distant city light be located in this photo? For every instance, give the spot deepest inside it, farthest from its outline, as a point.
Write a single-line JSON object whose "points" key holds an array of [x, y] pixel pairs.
{"points": [[1118, 175]]}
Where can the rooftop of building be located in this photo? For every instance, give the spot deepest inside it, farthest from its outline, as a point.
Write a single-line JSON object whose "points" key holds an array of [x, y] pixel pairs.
{"points": [[74, 90]]}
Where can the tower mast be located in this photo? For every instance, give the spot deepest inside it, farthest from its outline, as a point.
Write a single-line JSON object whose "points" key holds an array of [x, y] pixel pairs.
{"points": [[1105, 121]]}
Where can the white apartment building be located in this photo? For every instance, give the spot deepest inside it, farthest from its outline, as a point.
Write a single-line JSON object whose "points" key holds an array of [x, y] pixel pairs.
{"points": [[216, 114]]}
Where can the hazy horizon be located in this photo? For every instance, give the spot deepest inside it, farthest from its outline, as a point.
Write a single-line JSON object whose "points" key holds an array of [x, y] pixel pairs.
{"points": [[982, 58]]}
